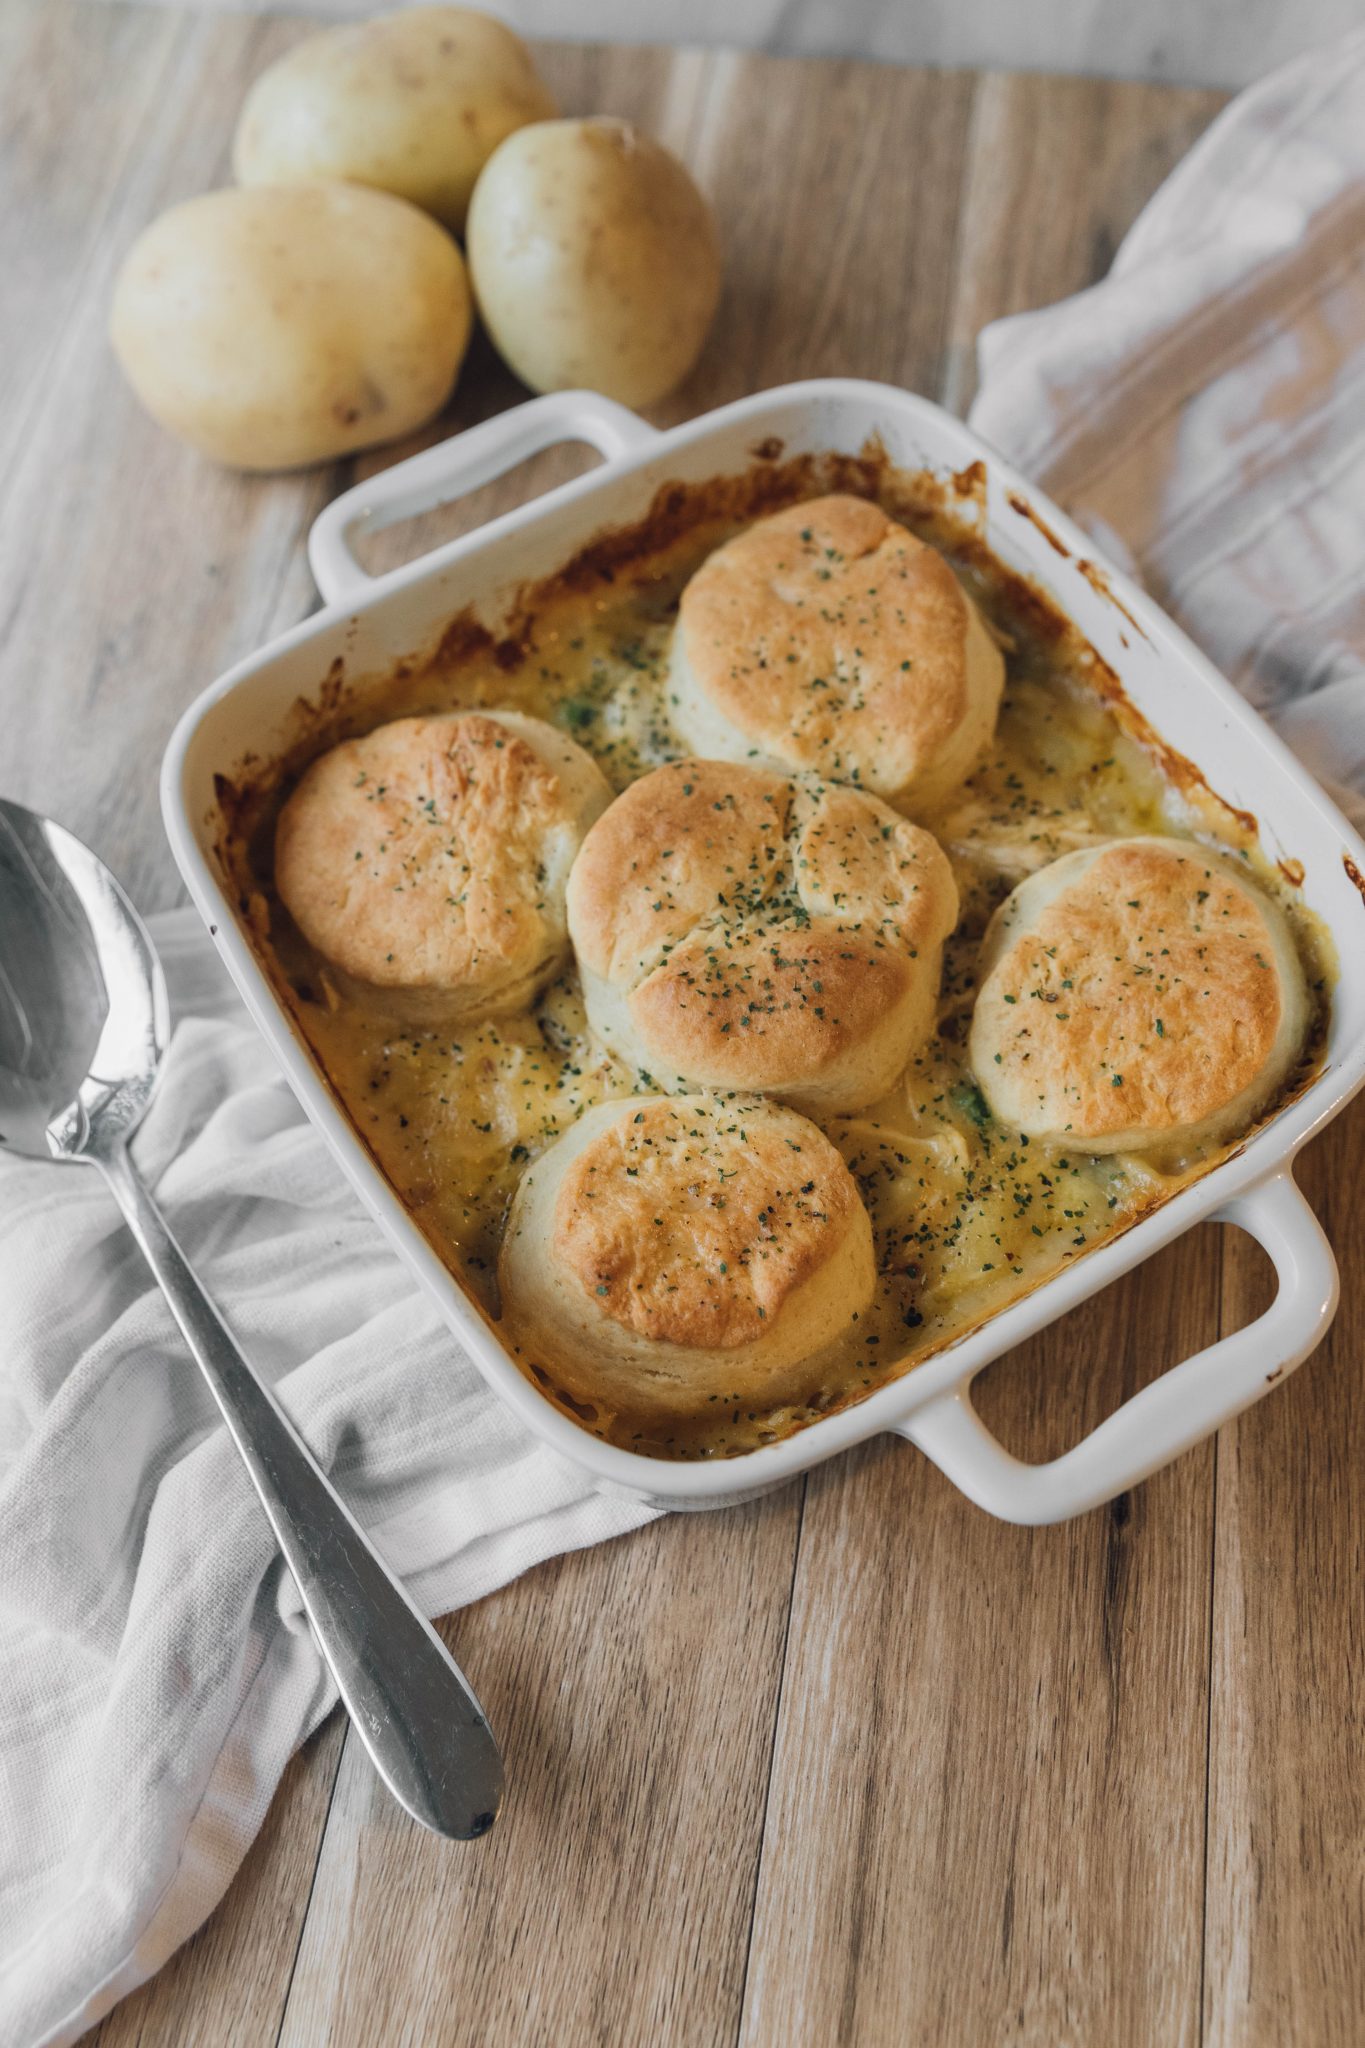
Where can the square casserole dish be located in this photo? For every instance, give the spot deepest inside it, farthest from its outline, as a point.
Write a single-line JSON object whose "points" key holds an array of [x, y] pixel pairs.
{"points": [[369, 624]]}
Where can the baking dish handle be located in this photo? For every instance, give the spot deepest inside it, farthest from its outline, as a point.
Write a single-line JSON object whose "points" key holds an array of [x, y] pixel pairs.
{"points": [[445, 472], [1185, 1405]]}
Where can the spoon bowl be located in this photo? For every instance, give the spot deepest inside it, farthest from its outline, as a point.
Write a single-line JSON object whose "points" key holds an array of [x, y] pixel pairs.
{"points": [[84, 1018]]}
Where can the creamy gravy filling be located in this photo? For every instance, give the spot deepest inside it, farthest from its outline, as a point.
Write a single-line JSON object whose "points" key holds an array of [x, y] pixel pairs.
{"points": [[966, 1215]]}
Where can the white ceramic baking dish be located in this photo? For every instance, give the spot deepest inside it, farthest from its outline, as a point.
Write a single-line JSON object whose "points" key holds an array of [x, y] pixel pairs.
{"points": [[370, 623]]}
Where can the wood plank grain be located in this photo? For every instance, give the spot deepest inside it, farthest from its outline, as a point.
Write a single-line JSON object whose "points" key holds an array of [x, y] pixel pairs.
{"points": [[839, 188], [1220, 45], [1285, 1907], [633, 1688], [131, 571], [1011, 1732], [57, 198], [1060, 168]]}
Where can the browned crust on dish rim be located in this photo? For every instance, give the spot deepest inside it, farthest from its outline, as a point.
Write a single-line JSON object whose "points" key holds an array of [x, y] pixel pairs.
{"points": [[948, 511]]}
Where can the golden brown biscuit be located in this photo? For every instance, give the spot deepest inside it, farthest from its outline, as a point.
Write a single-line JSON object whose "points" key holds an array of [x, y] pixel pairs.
{"points": [[828, 638], [428, 860], [1143, 994], [737, 929], [672, 1250]]}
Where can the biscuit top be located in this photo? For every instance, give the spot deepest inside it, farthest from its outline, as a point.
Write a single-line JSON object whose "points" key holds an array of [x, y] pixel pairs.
{"points": [[834, 639], [1146, 994], [433, 852], [758, 927], [693, 1222], [860, 864], [685, 845]]}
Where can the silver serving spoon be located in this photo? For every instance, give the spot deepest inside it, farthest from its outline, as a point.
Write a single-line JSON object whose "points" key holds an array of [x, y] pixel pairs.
{"points": [[83, 1024]]}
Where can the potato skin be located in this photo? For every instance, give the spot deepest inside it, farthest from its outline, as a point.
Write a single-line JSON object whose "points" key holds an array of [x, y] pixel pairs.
{"points": [[414, 103], [594, 259], [291, 324]]}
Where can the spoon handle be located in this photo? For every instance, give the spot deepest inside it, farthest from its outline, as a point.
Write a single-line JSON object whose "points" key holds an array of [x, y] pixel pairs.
{"points": [[410, 1703]]}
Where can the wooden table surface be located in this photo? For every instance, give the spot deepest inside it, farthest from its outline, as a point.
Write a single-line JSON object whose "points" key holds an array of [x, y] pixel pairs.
{"points": [[854, 1764]]}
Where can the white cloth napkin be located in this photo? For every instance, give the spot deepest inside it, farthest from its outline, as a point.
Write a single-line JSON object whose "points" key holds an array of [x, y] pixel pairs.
{"points": [[1202, 411], [1204, 408]]}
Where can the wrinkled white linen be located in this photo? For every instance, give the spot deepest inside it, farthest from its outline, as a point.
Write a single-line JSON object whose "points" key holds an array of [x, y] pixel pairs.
{"points": [[1204, 409], [156, 1673]]}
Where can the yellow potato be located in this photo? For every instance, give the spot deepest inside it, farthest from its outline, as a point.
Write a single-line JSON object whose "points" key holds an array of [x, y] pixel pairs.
{"points": [[414, 103], [291, 324], [594, 259]]}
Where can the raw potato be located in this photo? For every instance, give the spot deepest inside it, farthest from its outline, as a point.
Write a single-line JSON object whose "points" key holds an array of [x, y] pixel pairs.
{"points": [[594, 259], [414, 103], [291, 324]]}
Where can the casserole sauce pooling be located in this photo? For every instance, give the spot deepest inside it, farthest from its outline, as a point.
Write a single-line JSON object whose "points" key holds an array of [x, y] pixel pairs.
{"points": [[966, 1215]]}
